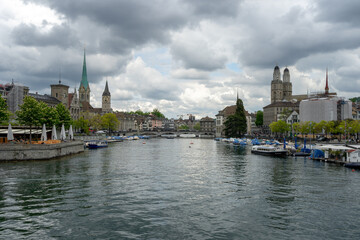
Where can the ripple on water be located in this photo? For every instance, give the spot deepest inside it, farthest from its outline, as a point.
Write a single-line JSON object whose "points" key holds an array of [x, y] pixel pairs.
{"points": [[166, 190]]}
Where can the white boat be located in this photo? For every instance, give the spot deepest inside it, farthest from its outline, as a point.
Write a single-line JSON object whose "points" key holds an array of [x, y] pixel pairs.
{"points": [[169, 136], [187, 135], [269, 150]]}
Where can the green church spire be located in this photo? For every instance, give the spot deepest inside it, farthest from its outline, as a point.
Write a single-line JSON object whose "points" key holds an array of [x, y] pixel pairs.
{"points": [[84, 82]]}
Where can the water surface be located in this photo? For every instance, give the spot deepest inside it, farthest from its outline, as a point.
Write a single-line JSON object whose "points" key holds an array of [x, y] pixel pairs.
{"points": [[172, 189]]}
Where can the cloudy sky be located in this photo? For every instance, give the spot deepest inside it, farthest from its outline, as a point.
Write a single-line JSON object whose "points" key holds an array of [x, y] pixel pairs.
{"points": [[181, 56]]}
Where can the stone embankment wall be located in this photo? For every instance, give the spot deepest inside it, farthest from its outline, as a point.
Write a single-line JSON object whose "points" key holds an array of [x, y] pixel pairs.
{"points": [[9, 152]]}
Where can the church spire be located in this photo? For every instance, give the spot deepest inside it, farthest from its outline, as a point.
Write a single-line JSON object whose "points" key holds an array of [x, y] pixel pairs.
{"points": [[84, 82], [327, 84], [106, 91]]}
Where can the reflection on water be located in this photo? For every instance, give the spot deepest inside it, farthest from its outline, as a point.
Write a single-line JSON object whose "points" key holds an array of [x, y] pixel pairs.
{"points": [[177, 189]]}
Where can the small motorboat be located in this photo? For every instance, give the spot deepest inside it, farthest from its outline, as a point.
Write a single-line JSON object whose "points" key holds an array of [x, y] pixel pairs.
{"points": [[97, 144]]}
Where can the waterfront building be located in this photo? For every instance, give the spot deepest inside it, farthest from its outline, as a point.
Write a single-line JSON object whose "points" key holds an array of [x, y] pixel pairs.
{"points": [[207, 124], [13, 95], [168, 125], [221, 118], [328, 109], [49, 100]]}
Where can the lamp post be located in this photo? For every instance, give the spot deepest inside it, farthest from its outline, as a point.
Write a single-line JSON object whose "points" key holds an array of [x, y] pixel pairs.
{"points": [[310, 135]]}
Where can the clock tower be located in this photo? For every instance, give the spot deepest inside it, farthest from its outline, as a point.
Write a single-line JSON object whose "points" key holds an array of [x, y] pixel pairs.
{"points": [[106, 100]]}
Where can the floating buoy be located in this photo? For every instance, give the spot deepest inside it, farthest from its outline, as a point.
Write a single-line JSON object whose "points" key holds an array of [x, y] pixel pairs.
{"points": [[144, 142], [191, 143], [353, 170]]}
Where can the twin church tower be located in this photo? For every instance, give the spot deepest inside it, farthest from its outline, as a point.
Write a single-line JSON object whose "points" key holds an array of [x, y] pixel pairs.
{"points": [[281, 90], [81, 104]]}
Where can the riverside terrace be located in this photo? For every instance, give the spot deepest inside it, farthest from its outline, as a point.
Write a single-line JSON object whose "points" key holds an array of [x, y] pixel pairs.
{"points": [[20, 149]]}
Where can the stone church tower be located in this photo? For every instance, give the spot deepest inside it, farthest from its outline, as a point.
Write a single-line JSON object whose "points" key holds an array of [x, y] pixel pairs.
{"points": [[287, 85], [281, 90], [276, 86], [106, 100], [84, 89]]}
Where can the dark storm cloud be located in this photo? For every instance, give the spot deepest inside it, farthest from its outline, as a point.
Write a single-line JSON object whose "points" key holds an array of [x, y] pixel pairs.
{"points": [[30, 35], [131, 24], [214, 8], [345, 11], [293, 36]]}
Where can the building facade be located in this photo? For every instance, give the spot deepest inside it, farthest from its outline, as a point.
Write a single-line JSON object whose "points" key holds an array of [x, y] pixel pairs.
{"points": [[328, 109], [207, 124]]}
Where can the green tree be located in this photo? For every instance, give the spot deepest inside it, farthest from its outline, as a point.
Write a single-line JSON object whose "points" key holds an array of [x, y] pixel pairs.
{"points": [[259, 121], [49, 115], [82, 124], [110, 121], [4, 113], [157, 113], [329, 127], [236, 125], [95, 122], [184, 127], [285, 114], [64, 115], [29, 113], [280, 127], [197, 126]]}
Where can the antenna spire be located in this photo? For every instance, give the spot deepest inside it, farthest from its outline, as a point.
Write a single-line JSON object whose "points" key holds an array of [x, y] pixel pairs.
{"points": [[327, 83]]}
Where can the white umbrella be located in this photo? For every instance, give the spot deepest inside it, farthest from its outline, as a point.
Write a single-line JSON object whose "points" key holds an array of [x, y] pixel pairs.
{"points": [[71, 134], [10, 135], [53, 134], [43, 135], [62, 133]]}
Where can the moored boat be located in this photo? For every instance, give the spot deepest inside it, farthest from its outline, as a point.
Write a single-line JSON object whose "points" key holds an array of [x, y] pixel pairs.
{"points": [[269, 150], [98, 144]]}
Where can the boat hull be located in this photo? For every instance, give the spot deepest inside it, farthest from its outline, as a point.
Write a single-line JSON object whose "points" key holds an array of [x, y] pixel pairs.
{"points": [[353, 165], [274, 153]]}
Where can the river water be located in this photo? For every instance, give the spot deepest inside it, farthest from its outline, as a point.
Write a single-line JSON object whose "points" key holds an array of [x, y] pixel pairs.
{"points": [[172, 189]]}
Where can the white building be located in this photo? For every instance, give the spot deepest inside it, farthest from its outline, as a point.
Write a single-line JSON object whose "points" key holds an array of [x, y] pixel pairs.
{"points": [[328, 109]]}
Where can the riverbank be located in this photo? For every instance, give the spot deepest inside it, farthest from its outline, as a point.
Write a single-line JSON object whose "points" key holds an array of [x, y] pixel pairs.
{"points": [[16, 152]]}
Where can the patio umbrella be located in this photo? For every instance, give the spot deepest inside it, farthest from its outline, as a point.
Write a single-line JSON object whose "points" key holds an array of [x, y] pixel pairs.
{"points": [[43, 134], [53, 134], [71, 134], [62, 133], [10, 135]]}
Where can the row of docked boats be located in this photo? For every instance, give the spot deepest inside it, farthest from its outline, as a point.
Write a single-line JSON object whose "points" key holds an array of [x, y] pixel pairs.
{"points": [[347, 155], [102, 143], [172, 136]]}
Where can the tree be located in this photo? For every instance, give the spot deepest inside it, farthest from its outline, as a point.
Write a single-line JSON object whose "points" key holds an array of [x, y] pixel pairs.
{"points": [[157, 113], [95, 122], [285, 114], [184, 127], [64, 115], [29, 113], [4, 113], [82, 124], [280, 127], [236, 125], [259, 118], [197, 126], [110, 121], [49, 115]]}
